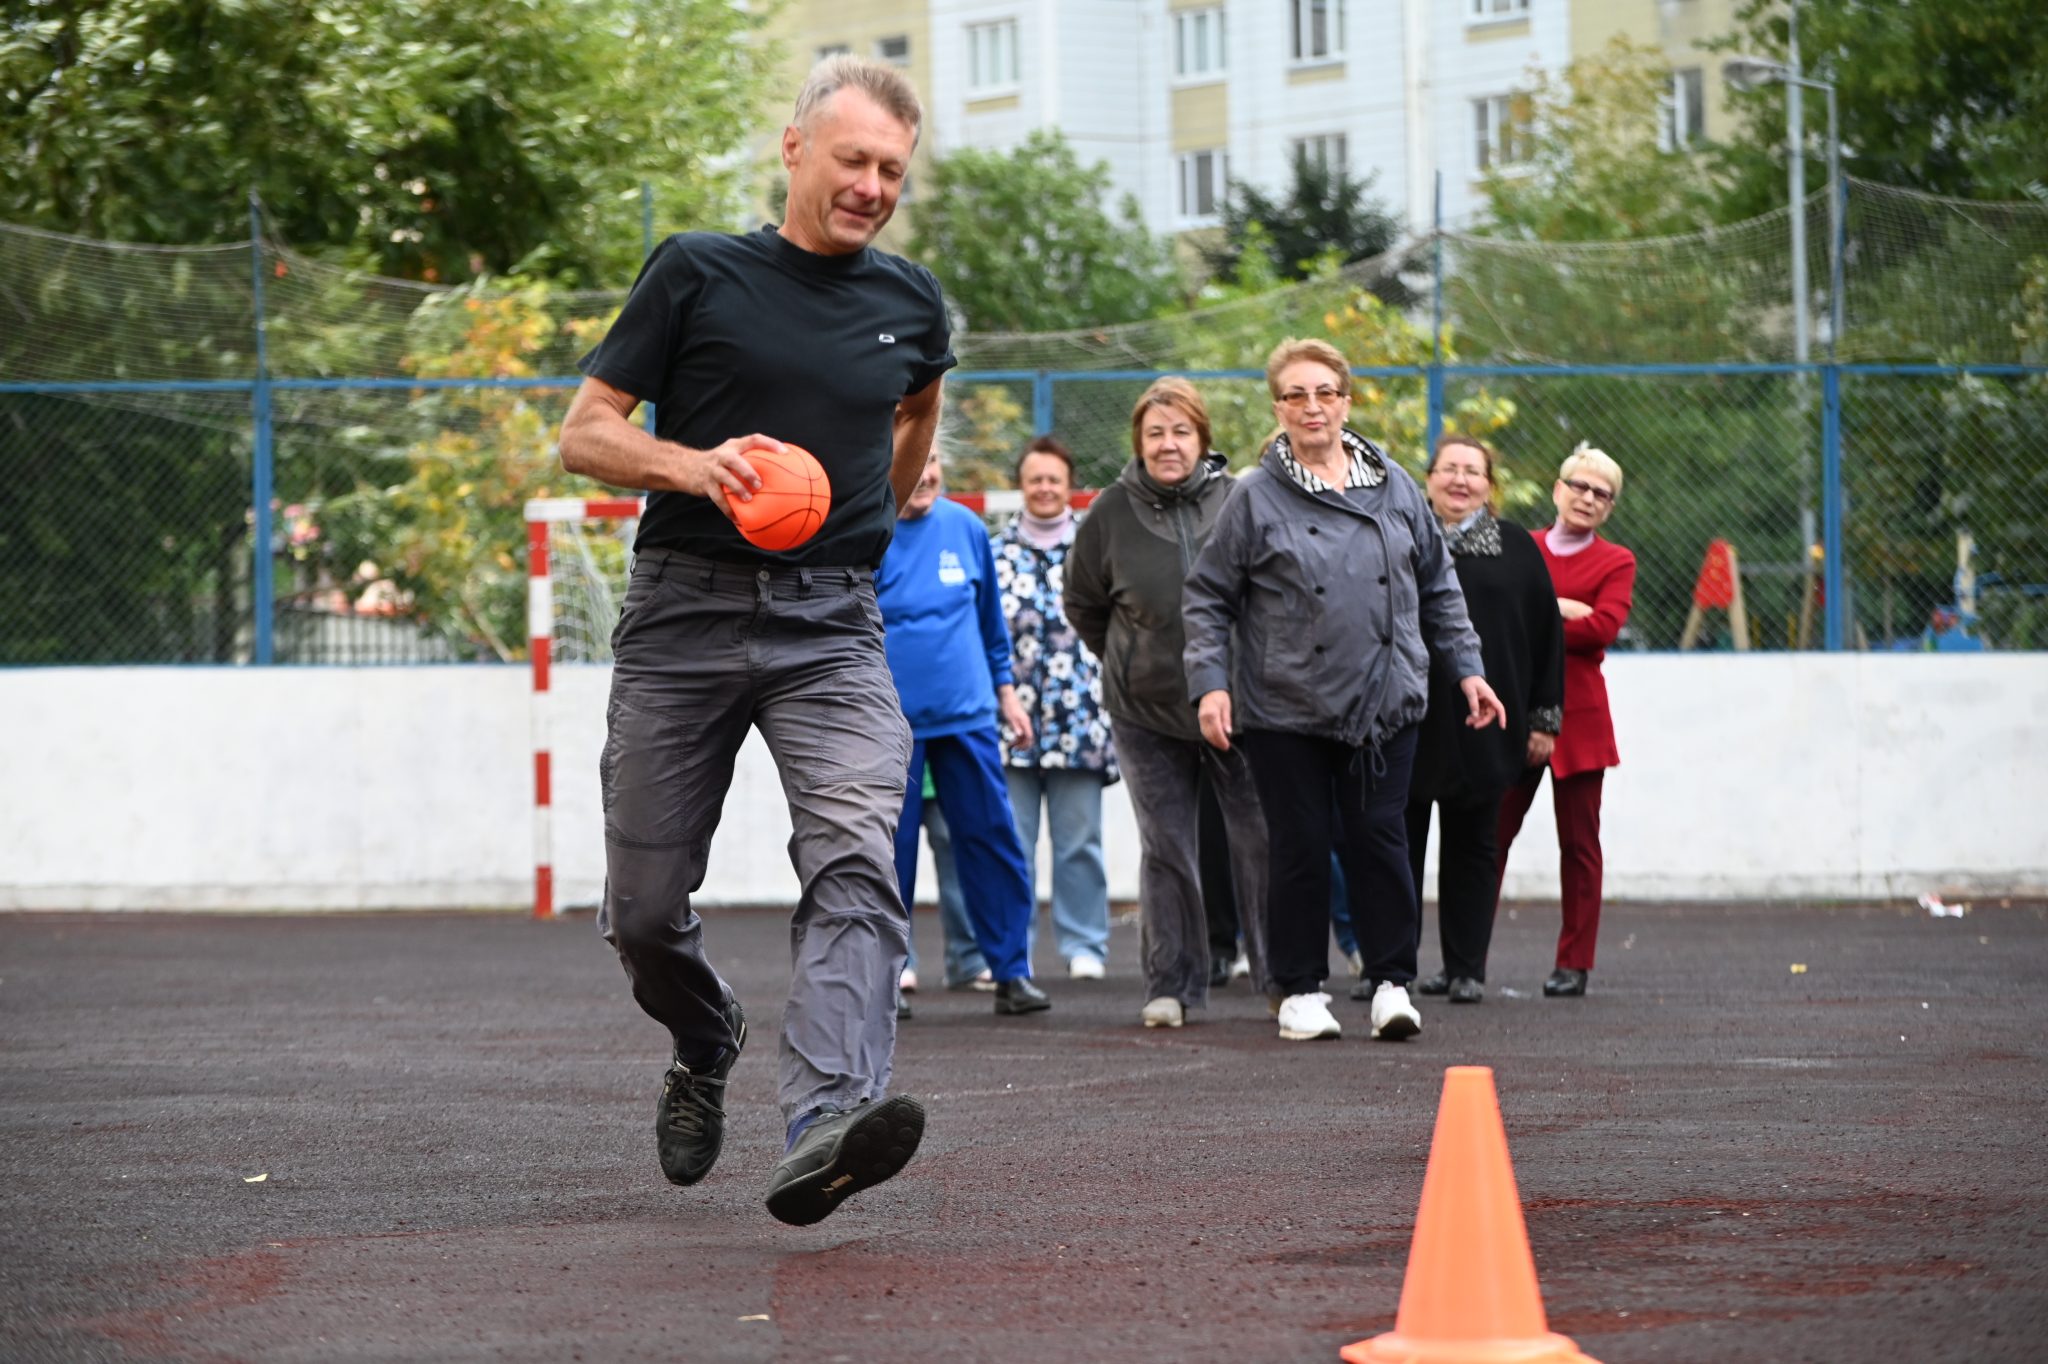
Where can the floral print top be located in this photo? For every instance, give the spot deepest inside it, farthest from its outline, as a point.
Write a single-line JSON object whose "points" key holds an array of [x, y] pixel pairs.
{"points": [[1059, 683]]}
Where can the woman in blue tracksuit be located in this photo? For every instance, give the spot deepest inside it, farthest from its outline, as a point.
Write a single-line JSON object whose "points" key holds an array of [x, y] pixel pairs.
{"points": [[950, 653]]}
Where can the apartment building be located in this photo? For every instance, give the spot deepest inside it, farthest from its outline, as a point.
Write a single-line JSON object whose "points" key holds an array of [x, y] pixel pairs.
{"points": [[1180, 96]]}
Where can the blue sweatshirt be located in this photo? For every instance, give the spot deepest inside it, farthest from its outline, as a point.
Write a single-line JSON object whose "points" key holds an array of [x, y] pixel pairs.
{"points": [[948, 645]]}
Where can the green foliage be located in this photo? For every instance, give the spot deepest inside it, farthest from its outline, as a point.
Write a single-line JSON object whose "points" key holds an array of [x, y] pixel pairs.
{"points": [[1241, 323], [433, 140], [1949, 98], [450, 533], [1325, 213], [1560, 287], [1021, 242], [1594, 171]]}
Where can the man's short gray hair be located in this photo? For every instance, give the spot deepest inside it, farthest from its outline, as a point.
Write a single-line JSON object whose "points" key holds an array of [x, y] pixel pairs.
{"points": [[879, 81]]}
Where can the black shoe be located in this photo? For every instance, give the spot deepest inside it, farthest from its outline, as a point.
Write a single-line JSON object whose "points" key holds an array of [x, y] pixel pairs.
{"points": [[689, 1118], [1438, 984], [840, 1154], [902, 1008], [1465, 990], [1362, 991], [1219, 972], [1565, 981], [1020, 996]]}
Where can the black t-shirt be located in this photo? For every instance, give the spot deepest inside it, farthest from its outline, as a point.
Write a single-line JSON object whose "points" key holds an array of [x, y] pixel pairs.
{"points": [[732, 335]]}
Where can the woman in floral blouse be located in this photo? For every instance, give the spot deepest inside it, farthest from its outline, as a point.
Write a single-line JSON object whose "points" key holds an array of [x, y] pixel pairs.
{"points": [[1069, 759]]}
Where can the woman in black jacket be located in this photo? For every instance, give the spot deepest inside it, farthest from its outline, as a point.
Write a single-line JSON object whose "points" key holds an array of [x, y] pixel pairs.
{"points": [[1461, 770]]}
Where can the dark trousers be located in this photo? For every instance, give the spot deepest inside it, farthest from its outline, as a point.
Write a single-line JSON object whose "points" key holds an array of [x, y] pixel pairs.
{"points": [[1576, 800], [1161, 772], [1219, 900], [704, 652], [995, 884], [1467, 876], [1297, 776]]}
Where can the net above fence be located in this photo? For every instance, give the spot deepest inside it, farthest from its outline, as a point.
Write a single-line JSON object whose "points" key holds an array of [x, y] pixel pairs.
{"points": [[371, 493]]}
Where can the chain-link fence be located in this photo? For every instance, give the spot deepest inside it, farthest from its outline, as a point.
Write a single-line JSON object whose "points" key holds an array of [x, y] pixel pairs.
{"points": [[236, 454]]}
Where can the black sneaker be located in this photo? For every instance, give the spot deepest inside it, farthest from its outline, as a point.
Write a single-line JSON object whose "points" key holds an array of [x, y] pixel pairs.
{"points": [[840, 1154], [689, 1118]]}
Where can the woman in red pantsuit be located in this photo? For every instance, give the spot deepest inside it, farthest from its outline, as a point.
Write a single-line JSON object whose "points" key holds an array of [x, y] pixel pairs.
{"points": [[1595, 582]]}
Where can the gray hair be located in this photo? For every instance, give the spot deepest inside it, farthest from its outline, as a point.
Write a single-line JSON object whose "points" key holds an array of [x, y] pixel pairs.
{"points": [[879, 81]]}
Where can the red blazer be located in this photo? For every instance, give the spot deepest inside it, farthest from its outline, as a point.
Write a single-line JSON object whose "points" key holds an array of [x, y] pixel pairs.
{"points": [[1602, 575]]}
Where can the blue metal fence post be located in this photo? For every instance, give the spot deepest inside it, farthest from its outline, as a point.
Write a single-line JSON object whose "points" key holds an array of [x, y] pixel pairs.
{"points": [[1041, 402], [1833, 576], [1436, 320], [261, 474]]}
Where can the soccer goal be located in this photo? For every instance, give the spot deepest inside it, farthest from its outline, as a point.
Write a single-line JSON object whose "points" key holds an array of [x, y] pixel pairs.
{"points": [[579, 552]]}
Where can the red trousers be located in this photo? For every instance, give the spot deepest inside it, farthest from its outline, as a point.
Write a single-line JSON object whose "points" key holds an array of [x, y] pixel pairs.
{"points": [[1576, 800]]}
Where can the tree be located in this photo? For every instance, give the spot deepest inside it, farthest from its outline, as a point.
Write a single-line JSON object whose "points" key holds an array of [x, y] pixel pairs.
{"points": [[1946, 98], [1020, 241], [1325, 213], [432, 140], [1593, 170]]}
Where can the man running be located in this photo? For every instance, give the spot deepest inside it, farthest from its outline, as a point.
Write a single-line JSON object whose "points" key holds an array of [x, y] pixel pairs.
{"points": [[802, 333]]}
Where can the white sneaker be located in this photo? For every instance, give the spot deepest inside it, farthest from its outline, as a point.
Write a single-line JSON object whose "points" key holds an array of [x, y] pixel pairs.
{"points": [[1241, 967], [1084, 966], [1304, 1018], [907, 982], [1163, 1012], [1393, 1013], [1357, 964]]}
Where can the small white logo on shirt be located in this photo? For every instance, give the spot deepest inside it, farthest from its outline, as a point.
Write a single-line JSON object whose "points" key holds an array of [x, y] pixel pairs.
{"points": [[950, 571], [887, 339]]}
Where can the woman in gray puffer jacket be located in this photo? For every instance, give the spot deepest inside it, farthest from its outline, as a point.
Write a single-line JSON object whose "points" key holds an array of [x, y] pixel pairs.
{"points": [[1123, 594], [1310, 616]]}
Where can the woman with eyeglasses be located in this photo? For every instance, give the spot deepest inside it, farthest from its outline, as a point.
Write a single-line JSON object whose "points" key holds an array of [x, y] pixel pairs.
{"points": [[1595, 581], [1310, 617], [1460, 773]]}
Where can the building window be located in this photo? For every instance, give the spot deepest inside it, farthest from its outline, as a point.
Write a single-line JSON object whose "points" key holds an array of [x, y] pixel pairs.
{"points": [[833, 50], [895, 51], [1198, 43], [1500, 124], [1318, 32], [1682, 112], [1326, 152], [992, 57], [1489, 11], [1202, 181]]}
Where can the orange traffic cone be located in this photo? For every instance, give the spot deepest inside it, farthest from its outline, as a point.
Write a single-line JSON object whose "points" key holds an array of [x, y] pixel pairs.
{"points": [[1470, 1296]]}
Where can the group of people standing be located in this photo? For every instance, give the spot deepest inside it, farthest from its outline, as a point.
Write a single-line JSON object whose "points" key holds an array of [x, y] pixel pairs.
{"points": [[1333, 650], [1299, 640]]}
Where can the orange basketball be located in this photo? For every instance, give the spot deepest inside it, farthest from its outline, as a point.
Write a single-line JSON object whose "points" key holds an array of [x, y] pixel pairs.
{"points": [[791, 502]]}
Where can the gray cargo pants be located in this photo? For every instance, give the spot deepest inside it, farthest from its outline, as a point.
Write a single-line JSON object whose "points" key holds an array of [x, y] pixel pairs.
{"points": [[703, 651], [1160, 771]]}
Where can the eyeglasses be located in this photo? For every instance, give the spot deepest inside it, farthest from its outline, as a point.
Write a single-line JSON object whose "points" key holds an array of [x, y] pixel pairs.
{"points": [[1592, 490], [1322, 397]]}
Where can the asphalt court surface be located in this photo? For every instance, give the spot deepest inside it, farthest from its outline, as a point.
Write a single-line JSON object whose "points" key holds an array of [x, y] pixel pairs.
{"points": [[1720, 1155]]}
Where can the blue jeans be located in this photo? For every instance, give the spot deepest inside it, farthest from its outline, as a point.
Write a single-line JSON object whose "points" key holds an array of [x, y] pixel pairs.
{"points": [[967, 772], [963, 955], [1080, 887]]}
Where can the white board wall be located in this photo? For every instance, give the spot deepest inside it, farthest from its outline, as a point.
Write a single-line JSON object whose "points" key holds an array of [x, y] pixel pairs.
{"points": [[1775, 776]]}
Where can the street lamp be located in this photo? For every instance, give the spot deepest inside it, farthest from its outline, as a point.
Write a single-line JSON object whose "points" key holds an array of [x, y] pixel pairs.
{"points": [[1750, 73]]}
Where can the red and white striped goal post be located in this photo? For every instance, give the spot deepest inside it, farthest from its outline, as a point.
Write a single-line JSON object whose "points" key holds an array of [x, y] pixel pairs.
{"points": [[542, 512]]}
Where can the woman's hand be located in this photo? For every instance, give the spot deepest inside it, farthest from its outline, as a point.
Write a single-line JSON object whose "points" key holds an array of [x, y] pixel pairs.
{"points": [[1485, 706], [1014, 718], [1573, 609], [1540, 747], [1215, 717]]}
